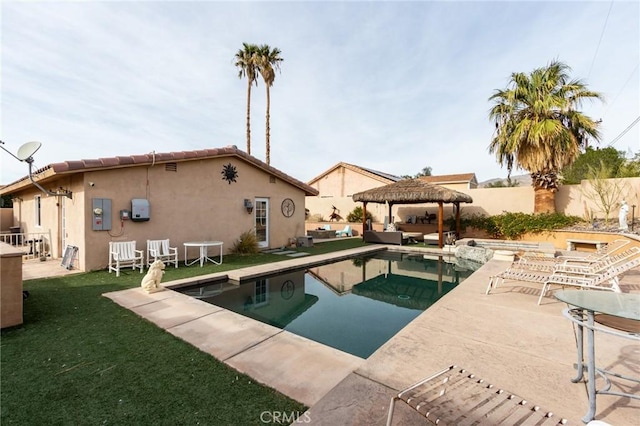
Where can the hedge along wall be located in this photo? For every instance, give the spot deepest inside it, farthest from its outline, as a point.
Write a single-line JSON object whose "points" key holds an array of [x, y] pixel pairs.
{"points": [[570, 199]]}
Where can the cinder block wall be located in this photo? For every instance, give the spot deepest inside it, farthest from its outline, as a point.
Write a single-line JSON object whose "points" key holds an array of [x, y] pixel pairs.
{"points": [[6, 219], [570, 199]]}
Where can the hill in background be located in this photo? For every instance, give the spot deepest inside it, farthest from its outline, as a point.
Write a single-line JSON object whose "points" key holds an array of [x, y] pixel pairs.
{"points": [[524, 180]]}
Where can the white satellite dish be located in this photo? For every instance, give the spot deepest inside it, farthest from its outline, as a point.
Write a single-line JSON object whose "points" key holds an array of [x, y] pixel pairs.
{"points": [[27, 150]]}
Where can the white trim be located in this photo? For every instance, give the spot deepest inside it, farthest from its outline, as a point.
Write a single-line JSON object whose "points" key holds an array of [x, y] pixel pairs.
{"points": [[261, 221]]}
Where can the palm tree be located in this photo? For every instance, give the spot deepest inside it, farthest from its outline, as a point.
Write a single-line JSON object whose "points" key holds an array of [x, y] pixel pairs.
{"points": [[268, 62], [246, 61], [539, 129]]}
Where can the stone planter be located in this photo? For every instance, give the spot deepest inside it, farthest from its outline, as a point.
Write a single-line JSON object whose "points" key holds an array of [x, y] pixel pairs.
{"points": [[476, 254]]}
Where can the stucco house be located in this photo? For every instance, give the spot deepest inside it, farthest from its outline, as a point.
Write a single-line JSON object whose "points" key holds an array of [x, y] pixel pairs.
{"points": [[456, 182], [209, 194], [344, 179], [338, 183]]}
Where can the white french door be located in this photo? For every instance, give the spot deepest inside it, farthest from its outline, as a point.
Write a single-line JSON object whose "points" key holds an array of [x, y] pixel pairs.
{"points": [[262, 221]]}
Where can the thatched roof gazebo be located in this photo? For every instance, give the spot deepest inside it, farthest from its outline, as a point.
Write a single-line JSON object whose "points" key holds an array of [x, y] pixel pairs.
{"points": [[414, 191]]}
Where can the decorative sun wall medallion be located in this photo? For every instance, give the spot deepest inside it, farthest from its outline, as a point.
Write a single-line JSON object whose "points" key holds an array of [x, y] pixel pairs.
{"points": [[229, 173]]}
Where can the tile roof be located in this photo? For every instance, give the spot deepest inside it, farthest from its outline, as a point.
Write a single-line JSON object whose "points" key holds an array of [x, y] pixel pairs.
{"points": [[386, 177], [456, 178], [79, 166]]}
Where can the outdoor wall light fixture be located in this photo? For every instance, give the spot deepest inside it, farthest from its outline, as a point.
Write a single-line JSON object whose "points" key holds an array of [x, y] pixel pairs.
{"points": [[248, 205], [25, 154]]}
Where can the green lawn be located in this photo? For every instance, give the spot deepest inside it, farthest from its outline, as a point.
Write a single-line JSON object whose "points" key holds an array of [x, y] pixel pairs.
{"points": [[80, 359]]}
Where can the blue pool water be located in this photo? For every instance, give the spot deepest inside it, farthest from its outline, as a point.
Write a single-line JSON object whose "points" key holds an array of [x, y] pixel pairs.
{"points": [[353, 305]]}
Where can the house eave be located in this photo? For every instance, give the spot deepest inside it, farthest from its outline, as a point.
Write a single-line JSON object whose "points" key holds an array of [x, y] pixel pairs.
{"points": [[66, 168]]}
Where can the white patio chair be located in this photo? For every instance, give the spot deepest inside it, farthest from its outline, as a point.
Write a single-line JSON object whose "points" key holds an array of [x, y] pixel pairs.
{"points": [[123, 254], [159, 249]]}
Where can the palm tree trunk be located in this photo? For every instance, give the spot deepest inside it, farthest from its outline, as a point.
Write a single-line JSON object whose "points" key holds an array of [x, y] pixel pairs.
{"points": [[249, 116], [544, 200], [268, 129]]}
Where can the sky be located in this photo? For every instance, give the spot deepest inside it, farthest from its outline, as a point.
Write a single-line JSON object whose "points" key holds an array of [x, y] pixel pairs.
{"points": [[386, 85]]}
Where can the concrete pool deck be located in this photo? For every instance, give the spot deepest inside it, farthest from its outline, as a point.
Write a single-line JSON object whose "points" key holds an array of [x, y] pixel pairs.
{"points": [[504, 338]]}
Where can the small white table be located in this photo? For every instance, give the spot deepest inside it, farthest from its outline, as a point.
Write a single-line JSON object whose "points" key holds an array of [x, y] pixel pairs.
{"points": [[204, 252]]}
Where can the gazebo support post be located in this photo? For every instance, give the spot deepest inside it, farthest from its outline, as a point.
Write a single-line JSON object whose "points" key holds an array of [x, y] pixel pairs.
{"points": [[457, 204], [440, 224], [390, 210], [364, 218]]}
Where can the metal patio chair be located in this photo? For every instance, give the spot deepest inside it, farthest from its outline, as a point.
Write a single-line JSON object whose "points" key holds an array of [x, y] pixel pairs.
{"points": [[454, 396]]}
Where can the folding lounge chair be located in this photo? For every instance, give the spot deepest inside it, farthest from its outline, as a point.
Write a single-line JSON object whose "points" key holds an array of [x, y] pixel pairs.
{"points": [[601, 276], [569, 266], [608, 250], [593, 281], [454, 396]]}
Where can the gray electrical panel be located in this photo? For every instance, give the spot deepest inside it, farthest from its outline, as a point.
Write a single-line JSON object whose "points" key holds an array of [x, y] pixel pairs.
{"points": [[101, 214], [139, 209]]}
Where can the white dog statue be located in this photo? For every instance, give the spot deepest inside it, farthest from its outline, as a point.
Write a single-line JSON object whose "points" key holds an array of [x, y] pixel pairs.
{"points": [[151, 281]]}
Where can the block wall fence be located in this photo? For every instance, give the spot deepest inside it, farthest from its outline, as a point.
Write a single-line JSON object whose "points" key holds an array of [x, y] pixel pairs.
{"points": [[570, 199]]}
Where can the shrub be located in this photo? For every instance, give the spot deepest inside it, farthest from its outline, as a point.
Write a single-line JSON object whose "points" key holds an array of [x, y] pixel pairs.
{"points": [[246, 244], [356, 215], [512, 226]]}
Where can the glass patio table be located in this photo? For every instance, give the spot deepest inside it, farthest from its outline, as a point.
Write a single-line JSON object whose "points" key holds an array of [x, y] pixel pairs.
{"points": [[622, 311], [204, 252]]}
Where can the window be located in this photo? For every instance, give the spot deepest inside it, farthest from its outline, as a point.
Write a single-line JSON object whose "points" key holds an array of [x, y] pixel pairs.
{"points": [[38, 212]]}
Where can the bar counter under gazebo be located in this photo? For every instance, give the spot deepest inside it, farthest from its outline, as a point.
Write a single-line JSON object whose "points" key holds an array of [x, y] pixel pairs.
{"points": [[414, 191]]}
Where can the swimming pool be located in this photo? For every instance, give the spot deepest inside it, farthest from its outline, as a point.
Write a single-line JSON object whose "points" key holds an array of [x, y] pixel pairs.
{"points": [[353, 305]]}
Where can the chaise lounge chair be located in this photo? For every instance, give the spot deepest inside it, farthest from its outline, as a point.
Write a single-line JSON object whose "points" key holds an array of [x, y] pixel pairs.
{"points": [[454, 396], [575, 266], [608, 250], [603, 276]]}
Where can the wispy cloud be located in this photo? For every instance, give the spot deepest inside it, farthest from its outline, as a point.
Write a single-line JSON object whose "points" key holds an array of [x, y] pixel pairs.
{"points": [[394, 86]]}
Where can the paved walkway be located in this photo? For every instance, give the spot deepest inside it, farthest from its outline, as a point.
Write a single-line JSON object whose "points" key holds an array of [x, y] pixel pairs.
{"points": [[35, 268], [504, 338]]}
